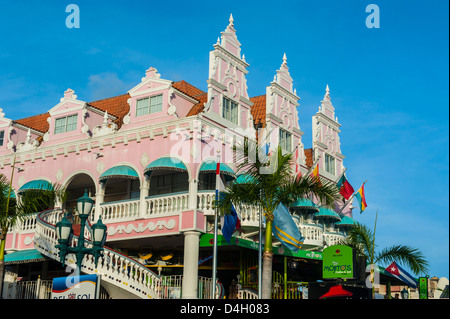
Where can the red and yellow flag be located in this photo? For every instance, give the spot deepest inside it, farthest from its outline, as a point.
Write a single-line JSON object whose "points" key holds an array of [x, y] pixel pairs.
{"points": [[361, 197]]}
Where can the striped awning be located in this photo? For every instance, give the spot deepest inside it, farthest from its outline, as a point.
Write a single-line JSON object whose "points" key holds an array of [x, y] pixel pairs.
{"points": [[121, 171], [210, 167], [38, 184], [166, 163], [327, 213], [24, 256]]}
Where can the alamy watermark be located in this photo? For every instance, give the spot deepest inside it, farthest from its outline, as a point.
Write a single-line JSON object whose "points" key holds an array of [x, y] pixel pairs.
{"points": [[373, 19], [73, 19]]}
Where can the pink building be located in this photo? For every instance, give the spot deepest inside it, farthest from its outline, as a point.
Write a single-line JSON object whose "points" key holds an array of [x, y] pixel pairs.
{"points": [[147, 158]]}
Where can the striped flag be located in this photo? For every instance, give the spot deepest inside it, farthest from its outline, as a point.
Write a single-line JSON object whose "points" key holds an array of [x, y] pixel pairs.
{"points": [[361, 197], [285, 229], [399, 273]]}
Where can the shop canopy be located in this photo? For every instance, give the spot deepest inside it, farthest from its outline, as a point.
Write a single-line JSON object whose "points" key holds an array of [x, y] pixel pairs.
{"points": [[121, 171], [210, 166], [24, 256], [304, 204], [327, 213], [165, 163], [244, 179], [346, 221], [37, 184]]}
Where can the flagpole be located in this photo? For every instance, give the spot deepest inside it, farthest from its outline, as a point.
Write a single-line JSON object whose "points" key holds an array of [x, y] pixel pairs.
{"points": [[216, 212], [342, 174], [260, 255], [351, 197]]}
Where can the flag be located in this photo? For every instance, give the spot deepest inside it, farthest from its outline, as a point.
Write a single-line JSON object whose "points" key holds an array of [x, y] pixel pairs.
{"points": [[298, 173], [315, 172], [361, 198], [285, 229], [345, 189], [230, 224], [399, 273]]}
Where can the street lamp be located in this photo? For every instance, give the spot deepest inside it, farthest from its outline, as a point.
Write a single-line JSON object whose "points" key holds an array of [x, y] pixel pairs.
{"points": [[64, 231]]}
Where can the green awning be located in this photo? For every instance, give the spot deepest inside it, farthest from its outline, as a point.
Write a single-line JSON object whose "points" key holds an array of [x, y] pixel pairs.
{"points": [[304, 204], [24, 256], [243, 179], [166, 163], [121, 171], [210, 167], [327, 213], [207, 240], [346, 221], [37, 184]]}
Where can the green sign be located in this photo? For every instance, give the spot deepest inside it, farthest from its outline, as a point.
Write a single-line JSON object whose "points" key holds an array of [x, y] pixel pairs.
{"points": [[207, 240], [337, 262], [423, 288]]}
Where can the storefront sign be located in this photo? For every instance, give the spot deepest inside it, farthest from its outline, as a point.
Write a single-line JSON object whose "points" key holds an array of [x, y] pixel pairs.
{"points": [[423, 288], [337, 262], [76, 287]]}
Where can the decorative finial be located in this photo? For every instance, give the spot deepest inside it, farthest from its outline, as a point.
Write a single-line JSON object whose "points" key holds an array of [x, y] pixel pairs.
{"points": [[327, 94], [243, 57], [231, 19], [284, 59]]}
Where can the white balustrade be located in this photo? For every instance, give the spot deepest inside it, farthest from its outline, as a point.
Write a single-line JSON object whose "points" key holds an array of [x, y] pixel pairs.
{"points": [[205, 202], [120, 210], [167, 204]]}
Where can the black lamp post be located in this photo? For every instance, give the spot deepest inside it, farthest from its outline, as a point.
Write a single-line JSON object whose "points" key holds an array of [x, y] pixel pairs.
{"points": [[64, 233]]}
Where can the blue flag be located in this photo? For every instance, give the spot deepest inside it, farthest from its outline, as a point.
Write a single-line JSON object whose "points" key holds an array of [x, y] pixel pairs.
{"points": [[285, 229], [231, 222]]}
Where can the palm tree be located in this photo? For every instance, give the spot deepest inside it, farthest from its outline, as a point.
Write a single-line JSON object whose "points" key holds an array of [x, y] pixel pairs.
{"points": [[12, 210], [362, 239], [270, 180]]}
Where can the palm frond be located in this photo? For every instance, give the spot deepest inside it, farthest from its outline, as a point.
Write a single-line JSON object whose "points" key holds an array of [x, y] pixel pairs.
{"points": [[406, 255]]}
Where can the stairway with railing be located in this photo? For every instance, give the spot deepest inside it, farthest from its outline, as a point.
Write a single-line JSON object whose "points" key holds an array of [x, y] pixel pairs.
{"points": [[122, 277]]}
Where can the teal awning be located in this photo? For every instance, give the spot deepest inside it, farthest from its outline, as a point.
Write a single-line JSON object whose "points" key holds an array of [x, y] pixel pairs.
{"points": [[121, 171], [37, 184], [166, 163], [210, 167], [24, 256], [243, 179], [304, 203], [327, 213], [346, 221]]}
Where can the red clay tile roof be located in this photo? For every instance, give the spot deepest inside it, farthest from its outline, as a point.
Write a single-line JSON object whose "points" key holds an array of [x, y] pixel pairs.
{"points": [[35, 122], [198, 108], [259, 109], [187, 89], [116, 106]]}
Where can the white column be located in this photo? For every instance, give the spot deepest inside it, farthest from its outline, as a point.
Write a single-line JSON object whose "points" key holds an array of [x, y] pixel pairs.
{"points": [[193, 189], [143, 194], [190, 269], [99, 199]]}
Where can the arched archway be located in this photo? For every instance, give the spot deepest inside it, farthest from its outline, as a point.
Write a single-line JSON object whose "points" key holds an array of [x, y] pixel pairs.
{"points": [[76, 186]]}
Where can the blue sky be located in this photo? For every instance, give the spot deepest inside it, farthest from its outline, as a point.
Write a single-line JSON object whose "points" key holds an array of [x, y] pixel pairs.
{"points": [[389, 85]]}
